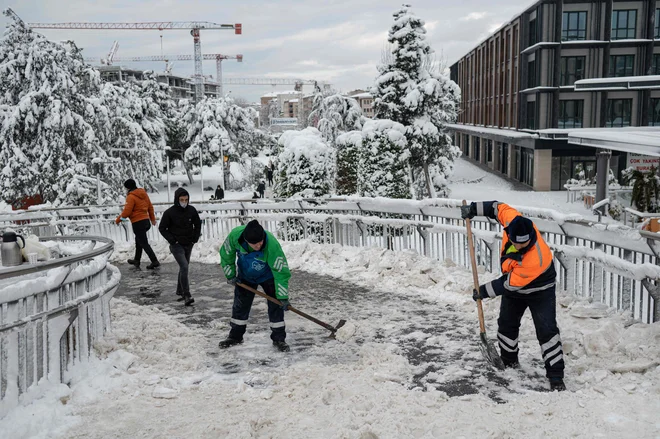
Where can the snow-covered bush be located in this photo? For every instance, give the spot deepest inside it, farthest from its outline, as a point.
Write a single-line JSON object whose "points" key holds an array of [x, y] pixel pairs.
{"points": [[336, 114], [305, 165], [645, 189], [383, 166]]}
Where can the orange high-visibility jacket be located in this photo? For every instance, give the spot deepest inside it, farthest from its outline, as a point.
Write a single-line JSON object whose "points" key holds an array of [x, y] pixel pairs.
{"points": [[535, 271]]}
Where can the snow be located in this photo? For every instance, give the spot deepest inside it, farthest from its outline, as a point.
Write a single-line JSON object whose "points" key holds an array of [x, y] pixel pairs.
{"points": [[478, 129], [150, 359]]}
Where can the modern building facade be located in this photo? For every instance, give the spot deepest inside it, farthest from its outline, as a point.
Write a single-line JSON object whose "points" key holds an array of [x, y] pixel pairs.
{"points": [[557, 67]]}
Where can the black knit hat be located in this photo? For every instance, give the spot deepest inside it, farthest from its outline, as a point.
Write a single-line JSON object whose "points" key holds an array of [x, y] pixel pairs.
{"points": [[253, 232], [130, 184], [520, 230]]}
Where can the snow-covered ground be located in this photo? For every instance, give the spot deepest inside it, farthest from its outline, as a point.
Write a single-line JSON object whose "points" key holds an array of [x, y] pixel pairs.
{"points": [[154, 379]]}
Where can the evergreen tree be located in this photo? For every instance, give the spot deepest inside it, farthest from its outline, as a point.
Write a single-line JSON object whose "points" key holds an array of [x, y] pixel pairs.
{"points": [[44, 137], [383, 165], [217, 126], [409, 91], [349, 146], [336, 114], [306, 165]]}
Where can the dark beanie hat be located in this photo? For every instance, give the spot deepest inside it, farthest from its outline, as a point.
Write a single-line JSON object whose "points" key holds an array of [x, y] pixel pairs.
{"points": [[520, 230], [253, 232], [130, 184]]}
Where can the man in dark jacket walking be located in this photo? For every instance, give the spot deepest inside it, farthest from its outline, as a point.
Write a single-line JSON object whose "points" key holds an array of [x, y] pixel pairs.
{"points": [[181, 227]]}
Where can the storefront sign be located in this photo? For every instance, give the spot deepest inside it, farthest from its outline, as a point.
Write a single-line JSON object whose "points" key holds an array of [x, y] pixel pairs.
{"points": [[642, 163]]}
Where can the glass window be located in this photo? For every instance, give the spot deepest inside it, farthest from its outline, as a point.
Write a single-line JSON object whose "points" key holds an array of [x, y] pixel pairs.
{"points": [[531, 74], [572, 69], [619, 112], [654, 113], [532, 32], [624, 24], [570, 114], [657, 24], [504, 159], [477, 149], [655, 67], [531, 115], [621, 65], [574, 26]]}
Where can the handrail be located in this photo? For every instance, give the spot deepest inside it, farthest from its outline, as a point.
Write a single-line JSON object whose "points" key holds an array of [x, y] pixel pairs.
{"points": [[24, 269]]}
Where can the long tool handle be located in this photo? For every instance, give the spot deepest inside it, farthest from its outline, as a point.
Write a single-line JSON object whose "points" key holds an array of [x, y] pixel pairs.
{"points": [[290, 308], [475, 275]]}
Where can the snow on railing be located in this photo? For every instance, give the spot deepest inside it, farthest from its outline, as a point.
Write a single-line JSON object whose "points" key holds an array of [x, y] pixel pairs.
{"points": [[51, 314], [432, 227]]}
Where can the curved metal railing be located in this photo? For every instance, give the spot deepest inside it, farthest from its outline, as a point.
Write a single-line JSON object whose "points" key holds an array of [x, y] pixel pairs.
{"points": [[51, 313]]}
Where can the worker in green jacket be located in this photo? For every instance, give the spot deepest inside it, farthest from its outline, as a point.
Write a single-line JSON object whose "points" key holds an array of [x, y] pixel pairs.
{"points": [[252, 256]]}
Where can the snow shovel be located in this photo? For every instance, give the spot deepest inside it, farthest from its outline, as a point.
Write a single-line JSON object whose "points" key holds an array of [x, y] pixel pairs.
{"points": [[487, 348], [332, 329]]}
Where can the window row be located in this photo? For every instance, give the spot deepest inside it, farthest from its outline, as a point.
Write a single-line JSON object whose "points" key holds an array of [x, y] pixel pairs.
{"points": [[572, 68], [619, 113], [624, 25]]}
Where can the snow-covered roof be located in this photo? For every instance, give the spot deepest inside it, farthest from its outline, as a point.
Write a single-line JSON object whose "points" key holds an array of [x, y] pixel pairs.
{"points": [[278, 93], [477, 129], [642, 140], [362, 95]]}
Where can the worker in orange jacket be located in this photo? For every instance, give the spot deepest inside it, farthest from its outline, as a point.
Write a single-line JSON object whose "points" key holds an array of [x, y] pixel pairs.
{"points": [[140, 211], [528, 281]]}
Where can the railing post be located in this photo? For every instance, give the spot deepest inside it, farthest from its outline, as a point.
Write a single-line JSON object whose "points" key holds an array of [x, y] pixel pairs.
{"points": [[654, 292], [626, 288], [424, 234]]}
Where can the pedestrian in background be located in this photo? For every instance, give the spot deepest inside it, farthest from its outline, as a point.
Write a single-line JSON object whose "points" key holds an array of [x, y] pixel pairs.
{"points": [[261, 188], [219, 193], [140, 211], [181, 227]]}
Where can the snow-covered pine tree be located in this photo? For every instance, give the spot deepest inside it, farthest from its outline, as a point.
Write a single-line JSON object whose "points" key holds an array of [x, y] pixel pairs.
{"points": [[410, 91], [217, 126], [306, 165], [384, 157], [44, 137], [336, 114], [348, 146]]}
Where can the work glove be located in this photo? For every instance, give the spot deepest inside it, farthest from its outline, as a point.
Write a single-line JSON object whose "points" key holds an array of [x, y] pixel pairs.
{"points": [[469, 211], [285, 304], [515, 256], [479, 294], [233, 281]]}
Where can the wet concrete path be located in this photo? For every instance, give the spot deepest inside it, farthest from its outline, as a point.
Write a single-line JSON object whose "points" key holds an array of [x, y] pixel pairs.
{"points": [[440, 343]]}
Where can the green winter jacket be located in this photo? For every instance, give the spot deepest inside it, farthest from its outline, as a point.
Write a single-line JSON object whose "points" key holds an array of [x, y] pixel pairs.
{"points": [[255, 266]]}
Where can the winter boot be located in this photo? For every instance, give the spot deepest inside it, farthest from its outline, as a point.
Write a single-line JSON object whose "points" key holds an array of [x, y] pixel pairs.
{"points": [[229, 342], [188, 300], [153, 265], [557, 384], [281, 346], [181, 297], [514, 365], [134, 262]]}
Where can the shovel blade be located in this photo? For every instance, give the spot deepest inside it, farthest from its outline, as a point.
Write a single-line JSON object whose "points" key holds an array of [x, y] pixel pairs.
{"points": [[341, 323], [489, 352]]}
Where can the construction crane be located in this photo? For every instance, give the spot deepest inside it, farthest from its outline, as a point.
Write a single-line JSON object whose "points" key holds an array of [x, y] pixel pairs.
{"points": [[194, 26], [167, 58]]}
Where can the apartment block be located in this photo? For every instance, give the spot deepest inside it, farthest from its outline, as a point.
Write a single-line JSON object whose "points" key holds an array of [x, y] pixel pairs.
{"points": [[557, 67]]}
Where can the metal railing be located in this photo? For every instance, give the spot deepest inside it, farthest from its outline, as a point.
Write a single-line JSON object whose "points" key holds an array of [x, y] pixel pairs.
{"points": [[608, 263], [51, 313]]}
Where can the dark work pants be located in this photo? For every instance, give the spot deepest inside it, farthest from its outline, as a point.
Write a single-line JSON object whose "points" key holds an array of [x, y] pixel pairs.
{"points": [[542, 305], [140, 230], [181, 253], [241, 311]]}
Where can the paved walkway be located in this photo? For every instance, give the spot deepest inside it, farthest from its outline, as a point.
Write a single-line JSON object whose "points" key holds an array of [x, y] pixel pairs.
{"points": [[440, 343]]}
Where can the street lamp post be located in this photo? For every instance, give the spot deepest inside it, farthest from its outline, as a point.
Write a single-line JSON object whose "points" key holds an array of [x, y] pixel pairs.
{"points": [[167, 158], [201, 171]]}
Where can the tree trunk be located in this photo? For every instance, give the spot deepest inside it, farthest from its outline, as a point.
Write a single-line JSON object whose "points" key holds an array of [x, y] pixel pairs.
{"points": [[429, 185], [190, 176]]}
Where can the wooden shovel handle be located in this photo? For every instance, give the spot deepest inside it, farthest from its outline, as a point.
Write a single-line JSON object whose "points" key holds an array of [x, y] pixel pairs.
{"points": [[475, 275], [290, 308]]}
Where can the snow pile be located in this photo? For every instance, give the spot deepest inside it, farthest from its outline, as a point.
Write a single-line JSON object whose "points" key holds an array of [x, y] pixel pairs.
{"points": [[152, 363]]}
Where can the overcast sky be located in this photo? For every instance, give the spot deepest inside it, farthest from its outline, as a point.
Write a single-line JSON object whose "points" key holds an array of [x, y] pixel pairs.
{"points": [[335, 41]]}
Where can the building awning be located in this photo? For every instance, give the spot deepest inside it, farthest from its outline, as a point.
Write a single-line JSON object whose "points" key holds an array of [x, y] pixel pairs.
{"points": [[648, 82], [493, 133], [640, 140]]}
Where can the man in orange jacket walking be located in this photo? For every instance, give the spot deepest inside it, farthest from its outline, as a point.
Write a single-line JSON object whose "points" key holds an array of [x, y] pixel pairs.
{"points": [[528, 281], [140, 211]]}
